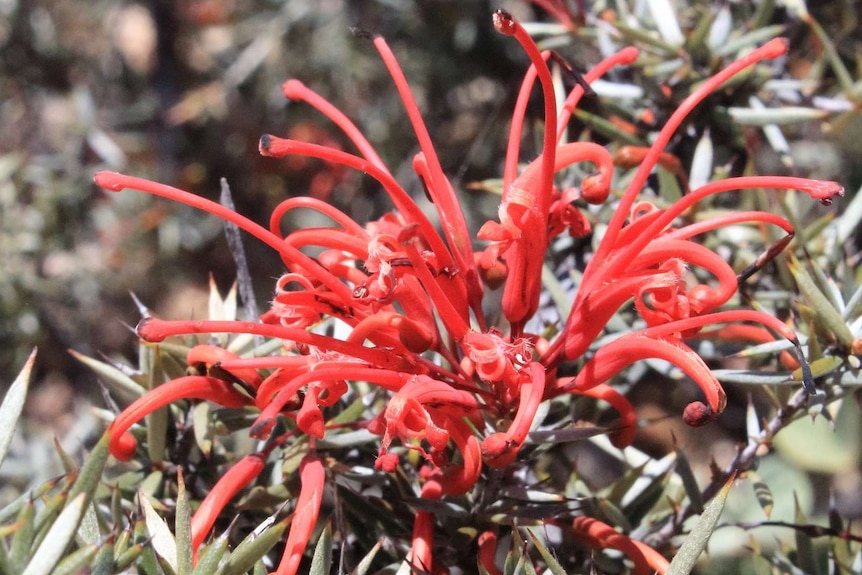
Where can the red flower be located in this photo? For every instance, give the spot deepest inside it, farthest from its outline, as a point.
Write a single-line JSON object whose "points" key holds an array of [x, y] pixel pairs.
{"points": [[413, 308]]}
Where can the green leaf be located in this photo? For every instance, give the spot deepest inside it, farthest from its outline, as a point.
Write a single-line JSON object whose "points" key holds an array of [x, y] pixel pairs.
{"points": [[58, 538], [81, 561], [116, 379], [805, 556], [365, 564], [157, 421], [253, 547], [36, 493], [553, 566], [12, 405], [162, 539], [202, 427], [103, 563], [183, 528], [212, 555], [697, 539], [19, 550], [91, 473], [826, 313], [775, 116], [322, 560]]}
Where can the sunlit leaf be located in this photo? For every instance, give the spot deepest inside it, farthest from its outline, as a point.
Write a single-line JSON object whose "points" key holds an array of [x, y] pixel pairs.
{"points": [[62, 531], [806, 558], [826, 313], [183, 528], [695, 543], [321, 562], [13, 403], [162, 539]]}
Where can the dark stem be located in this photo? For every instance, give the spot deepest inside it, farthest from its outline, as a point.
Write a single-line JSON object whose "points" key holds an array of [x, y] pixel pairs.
{"points": [[234, 243]]}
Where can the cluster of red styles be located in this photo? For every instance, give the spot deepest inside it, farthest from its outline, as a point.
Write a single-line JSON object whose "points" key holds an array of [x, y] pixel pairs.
{"points": [[411, 298]]}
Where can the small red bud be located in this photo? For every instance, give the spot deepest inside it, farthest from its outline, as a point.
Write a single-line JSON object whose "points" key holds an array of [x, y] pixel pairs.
{"points": [[697, 414]]}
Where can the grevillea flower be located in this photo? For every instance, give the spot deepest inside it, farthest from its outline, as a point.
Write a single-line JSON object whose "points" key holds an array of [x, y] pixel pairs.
{"points": [[461, 392]]}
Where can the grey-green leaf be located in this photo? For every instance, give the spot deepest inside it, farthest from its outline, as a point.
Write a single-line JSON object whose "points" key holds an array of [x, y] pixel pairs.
{"points": [[322, 560], [697, 539], [162, 539], [12, 405], [183, 528], [58, 538]]}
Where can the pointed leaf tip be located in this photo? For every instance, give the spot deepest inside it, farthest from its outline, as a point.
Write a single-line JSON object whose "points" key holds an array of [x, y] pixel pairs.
{"points": [[13, 404], [685, 559]]}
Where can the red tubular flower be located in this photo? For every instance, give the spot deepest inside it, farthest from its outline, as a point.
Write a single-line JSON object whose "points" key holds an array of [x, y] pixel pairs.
{"points": [[528, 204], [597, 534], [499, 449], [487, 552], [235, 480], [312, 476], [122, 445]]}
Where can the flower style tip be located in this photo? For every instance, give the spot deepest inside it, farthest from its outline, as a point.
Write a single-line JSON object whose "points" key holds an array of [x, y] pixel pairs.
{"points": [[111, 181], [504, 23]]}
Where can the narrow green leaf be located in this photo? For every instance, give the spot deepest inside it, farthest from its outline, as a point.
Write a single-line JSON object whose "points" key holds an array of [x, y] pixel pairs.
{"points": [[19, 550], [212, 555], [849, 219], [321, 562], [845, 79], [252, 548], [80, 561], [805, 556], [118, 381], [103, 563], [18, 503], [365, 564], [606, 128], [183, 528], [697, 539], [820, 367], [58, 538], [157, 421], [162, 539], [775, 116], [91, 472], [125, 559], [826, 313], [202, 427], [12, 405], [749, 40], [553, 566], [48, 514], [66, 460]]}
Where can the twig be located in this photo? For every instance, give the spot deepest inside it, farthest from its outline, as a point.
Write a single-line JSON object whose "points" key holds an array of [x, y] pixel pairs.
{"points": [[234, 242]]}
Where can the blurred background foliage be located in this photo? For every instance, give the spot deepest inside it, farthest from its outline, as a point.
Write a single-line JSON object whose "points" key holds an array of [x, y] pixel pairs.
{"points": [[180, 91]]}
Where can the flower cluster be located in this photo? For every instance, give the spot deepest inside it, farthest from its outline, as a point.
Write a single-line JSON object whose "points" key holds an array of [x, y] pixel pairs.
{"points": [[462, 393]]}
